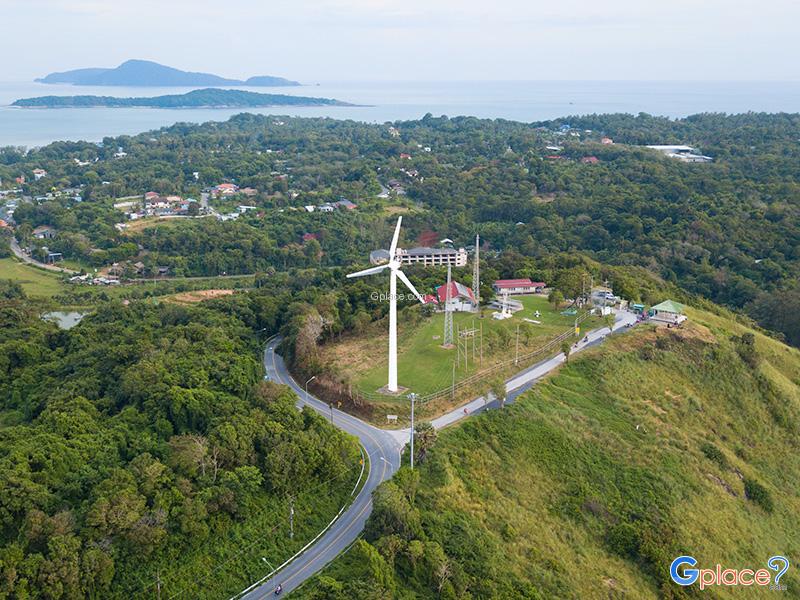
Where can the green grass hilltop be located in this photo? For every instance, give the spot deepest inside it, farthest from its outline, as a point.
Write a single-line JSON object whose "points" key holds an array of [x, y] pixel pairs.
{"points": [[660, 443]]}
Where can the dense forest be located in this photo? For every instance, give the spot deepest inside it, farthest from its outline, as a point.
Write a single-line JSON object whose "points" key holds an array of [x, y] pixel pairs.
{"points": [[727, 230], [144, 435]]}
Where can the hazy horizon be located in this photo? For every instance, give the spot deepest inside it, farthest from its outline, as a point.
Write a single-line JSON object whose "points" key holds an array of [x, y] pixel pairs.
{"points": [[415, 40]]}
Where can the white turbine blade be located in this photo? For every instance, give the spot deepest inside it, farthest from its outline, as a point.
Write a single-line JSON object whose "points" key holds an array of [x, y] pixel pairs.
{"points": [[365, 272], [405, 280], [396, 237]]}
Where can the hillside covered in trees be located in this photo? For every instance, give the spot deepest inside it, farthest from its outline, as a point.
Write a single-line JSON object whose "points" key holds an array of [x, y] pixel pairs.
{"points": [[727, 230], [140, 453]]}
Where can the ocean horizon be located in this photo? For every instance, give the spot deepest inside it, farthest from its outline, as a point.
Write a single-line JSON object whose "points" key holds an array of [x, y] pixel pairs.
{"points": [[382, 101]]}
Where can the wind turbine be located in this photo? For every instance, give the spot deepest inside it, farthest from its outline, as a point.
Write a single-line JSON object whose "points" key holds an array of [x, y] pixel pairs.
{"points": [[394, 272]]}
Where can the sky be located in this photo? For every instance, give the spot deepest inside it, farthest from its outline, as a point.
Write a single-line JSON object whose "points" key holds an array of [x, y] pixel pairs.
{"points": [[411, 40]]}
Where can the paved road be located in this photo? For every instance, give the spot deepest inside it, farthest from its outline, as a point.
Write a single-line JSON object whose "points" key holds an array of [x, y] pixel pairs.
{"points": [[31, 261], [384, 460], [384, 447], [522, 381]]}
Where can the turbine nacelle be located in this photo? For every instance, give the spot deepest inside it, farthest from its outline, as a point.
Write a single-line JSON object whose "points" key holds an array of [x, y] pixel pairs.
{"points": [[393, 265]]}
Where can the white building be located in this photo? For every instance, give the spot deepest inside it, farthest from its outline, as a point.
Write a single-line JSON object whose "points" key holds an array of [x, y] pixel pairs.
{"points": [[682, 153]]}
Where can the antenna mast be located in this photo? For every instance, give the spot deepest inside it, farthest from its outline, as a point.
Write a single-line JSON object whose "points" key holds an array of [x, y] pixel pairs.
{"points": [[476, 274]]}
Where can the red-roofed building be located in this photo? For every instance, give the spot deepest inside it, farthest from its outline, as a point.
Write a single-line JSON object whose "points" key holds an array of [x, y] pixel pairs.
{"points": [[151, 196], [3, 224], [307, 237], [429, 299], [225, 189], [606, 140], [518, 286], [461, 297], [405, 156], [590, 160]]}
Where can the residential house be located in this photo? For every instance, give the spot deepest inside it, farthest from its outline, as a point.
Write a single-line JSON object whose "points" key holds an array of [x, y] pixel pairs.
{"points": [[39, 173], [590, 160], [344, 203], [44, 232], [225, 189], [461, 297]]}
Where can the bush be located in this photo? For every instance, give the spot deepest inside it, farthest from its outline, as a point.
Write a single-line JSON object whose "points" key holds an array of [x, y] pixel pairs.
{"points": [[758, 493], [714, 454]]}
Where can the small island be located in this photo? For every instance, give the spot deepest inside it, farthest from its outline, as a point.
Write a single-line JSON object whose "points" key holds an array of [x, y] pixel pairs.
{"points": [[142, 73], [206, 98]]}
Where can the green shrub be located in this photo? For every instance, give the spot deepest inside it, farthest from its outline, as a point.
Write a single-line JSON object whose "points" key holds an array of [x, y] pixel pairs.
{"points": [[714, 454], [758, 493]]}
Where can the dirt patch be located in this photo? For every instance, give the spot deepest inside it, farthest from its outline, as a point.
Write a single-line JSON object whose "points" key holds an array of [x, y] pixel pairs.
{"points": [[197, 296], [724, 484]]}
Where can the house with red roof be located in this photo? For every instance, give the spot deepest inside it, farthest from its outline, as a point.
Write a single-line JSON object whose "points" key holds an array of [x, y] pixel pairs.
{"points": [[225, 189], [518, 286], [590, 160], [461, 297]]}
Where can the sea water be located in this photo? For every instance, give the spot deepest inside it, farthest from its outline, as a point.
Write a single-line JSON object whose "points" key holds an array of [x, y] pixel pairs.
{"points": [[389, 101]]}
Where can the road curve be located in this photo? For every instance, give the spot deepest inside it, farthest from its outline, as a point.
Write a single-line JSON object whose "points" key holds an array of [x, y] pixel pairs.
{"points": [[15, 248], [384, 448], [384, 460]]}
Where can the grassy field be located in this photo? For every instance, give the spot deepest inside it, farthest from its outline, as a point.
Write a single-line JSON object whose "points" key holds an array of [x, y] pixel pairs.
{"points": [[37, 283], [424, 366], [656, 444]]}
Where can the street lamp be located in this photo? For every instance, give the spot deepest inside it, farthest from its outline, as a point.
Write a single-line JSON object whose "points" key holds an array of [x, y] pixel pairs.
{"points": [[306, 386], [412, 396]]}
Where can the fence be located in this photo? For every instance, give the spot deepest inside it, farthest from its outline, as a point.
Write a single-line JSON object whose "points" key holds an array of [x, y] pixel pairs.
{"points": [[526, 359]]}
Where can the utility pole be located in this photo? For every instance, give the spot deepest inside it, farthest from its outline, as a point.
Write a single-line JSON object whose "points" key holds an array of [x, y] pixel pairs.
{"points": [[412, 396], [516, 353], [291, 518], [158, 585], [331, 405], [453, 385]]}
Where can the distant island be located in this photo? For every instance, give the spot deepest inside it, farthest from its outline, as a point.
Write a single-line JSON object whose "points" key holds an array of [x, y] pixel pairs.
{"points": [[206, 98], [141, 73]]}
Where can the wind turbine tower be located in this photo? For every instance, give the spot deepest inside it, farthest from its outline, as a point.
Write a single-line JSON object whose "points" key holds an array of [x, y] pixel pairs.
{"points": [[394, 272], [476, 274]]}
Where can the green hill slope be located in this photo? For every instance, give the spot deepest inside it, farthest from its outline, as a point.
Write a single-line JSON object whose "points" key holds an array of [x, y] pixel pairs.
{"points": [[660, 443]]}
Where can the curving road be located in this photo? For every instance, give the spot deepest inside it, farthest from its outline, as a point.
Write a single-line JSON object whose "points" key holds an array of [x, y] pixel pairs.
{"points": [[384, 448], [17, 250], [384, 460]]}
